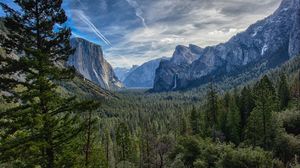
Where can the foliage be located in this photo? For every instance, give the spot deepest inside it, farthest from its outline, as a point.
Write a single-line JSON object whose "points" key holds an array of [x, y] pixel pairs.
{"points": [[197, 152], [36, 131]]}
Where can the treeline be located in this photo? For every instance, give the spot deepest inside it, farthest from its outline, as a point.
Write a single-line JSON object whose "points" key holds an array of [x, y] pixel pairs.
{"points": [[255, 126], [40, 126]]}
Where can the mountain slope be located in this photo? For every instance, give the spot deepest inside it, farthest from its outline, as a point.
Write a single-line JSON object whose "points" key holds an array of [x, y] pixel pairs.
{"points": [[271, 41], [122, 73], [143, 76], [88, 60]]}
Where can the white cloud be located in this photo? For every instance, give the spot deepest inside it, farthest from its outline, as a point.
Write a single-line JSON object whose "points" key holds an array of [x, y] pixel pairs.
{"points": [[173, 22]]}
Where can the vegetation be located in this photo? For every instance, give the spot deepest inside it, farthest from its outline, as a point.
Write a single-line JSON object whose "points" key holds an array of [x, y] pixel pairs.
{"points": [[43, 125], [38, 129]]}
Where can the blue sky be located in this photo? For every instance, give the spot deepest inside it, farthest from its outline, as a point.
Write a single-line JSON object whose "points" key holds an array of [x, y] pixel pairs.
{"points": [[135, 31]]}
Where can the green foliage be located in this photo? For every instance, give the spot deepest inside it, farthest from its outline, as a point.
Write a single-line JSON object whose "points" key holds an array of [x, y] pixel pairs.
{"points": [[195, 122], [246, 106], [233, 123], [212, 111], [197, 152], [291, 121], [136, 129], [244, 158], [283, 93], [261, 128], [124, 142], [36, 132]]}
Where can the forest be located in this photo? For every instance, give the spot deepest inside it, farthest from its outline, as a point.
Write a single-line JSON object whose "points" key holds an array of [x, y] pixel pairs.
{"points": [[46, 122]]}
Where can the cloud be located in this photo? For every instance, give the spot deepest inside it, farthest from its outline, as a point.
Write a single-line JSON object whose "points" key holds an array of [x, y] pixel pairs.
{"points": [[138, 11], [168, 23], [93, 28]]}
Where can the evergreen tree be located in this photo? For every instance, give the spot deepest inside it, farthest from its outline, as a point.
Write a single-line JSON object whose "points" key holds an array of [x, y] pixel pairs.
{"points": [[246, 106], [283, 92], [109, 151], [183, 126], [90, 146], [296, 90], [259, 127], [35, 132], [123, 142], [224, 114], [195, 121], [233, 122], [211, 113]]}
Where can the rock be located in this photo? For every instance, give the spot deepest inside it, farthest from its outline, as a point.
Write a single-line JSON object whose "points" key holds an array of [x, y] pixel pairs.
{"points": [[274, 40], [143, 76], [122, 73], [89, 61]]}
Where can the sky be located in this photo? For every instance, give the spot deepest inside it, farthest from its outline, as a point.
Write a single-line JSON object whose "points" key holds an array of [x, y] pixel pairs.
{"points": [[132, 32]]}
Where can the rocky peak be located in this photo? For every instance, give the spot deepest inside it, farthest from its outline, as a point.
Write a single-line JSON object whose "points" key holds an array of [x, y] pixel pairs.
{"points": [[184, 55], [89, 61]]}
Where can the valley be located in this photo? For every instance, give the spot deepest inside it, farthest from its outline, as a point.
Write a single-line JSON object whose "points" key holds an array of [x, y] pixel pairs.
{"points": [[66, 103]]}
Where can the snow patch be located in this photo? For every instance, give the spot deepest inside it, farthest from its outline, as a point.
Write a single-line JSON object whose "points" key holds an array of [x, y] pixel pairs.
{"points": [[256, 31], [264, 49]]}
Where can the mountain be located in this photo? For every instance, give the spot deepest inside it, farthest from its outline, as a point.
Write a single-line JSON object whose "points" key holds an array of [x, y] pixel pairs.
{"points": [[143, 76], [89, 61], [122, 73], [269, 42]]}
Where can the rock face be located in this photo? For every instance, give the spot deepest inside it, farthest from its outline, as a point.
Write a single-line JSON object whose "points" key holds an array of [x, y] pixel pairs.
{"points": [[273, 40], [143, 76], [88, 60], [122, 73]]}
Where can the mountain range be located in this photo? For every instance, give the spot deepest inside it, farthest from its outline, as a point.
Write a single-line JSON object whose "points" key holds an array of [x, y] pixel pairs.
{"points": [[269, 42]]}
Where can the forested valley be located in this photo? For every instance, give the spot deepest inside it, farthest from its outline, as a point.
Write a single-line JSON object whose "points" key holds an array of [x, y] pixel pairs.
{"points": [[50, 116]]}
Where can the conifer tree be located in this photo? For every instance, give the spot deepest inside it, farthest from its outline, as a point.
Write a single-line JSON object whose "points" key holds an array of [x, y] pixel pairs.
{"points": [[195, 121], [224, 114], [296, 90], [183, 126], [246, 106], [233, 122], [43, 121], [283, 92], [211, 113], [109, 151], [123, 142], [259, 127]]}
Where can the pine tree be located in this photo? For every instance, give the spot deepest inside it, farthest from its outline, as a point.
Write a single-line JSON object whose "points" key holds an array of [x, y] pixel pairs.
{"points": [[43, 121], [246, 106], [259, 127], [296, 90], [195, 121], [90, 135], [109, 151], [283, 92], [183, 126], [211, 113], [224, 114], [123, 142], [233, 122]]}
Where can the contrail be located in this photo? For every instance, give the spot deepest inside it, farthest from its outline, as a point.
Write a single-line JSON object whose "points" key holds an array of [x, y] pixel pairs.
{"points": [[94, 29], [138, 11]]}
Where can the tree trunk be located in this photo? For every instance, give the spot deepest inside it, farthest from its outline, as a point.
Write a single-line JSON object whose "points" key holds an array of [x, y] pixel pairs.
{"points": [[88, 143]]}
